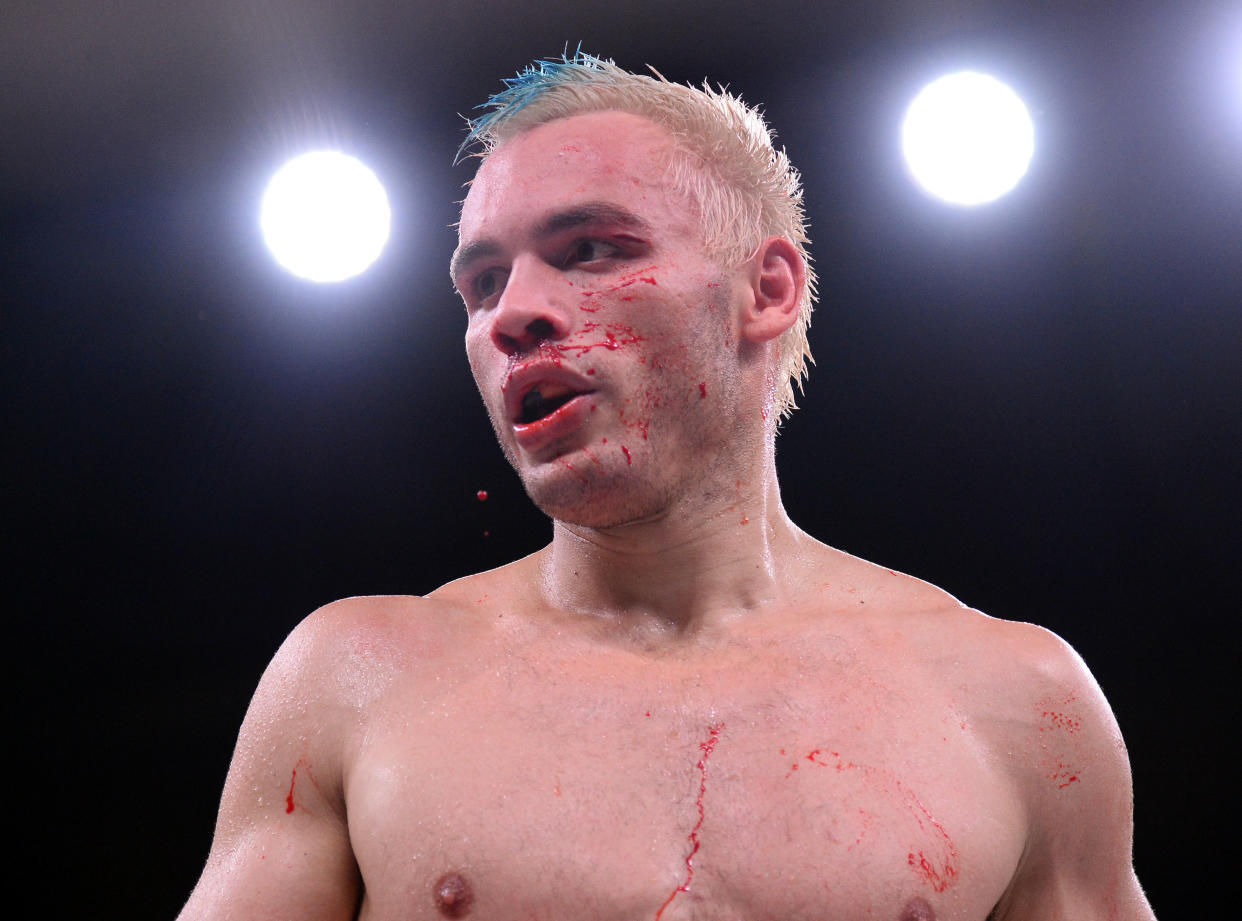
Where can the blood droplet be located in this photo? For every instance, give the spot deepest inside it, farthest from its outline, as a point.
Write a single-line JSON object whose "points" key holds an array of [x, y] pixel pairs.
{"points": [[482, 495]]}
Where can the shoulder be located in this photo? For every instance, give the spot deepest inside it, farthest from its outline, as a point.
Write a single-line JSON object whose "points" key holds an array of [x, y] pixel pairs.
{"points": [[348, 647], [329, 672], [1031, 702], [1057, 727], [1031, 685], [1010, 665], [337, 661], [1028, 690], [1039, 715]]}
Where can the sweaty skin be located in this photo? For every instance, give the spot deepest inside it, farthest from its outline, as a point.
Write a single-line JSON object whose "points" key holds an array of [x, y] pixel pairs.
{"points": [[684, 707]]}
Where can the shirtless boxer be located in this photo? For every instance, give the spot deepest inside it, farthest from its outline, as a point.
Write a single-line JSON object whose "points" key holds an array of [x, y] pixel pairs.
{"points": [[684, 707]]}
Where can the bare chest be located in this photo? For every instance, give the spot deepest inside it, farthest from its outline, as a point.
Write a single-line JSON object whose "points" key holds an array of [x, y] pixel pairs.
{"points": [[595, 794]]}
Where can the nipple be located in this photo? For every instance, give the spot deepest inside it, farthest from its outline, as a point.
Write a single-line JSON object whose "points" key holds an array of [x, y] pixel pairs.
{"points": [[454, 896], [916, 909]]}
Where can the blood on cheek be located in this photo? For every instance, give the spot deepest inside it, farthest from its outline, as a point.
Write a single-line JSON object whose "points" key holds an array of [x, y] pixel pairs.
{"points": [[615, 336]]}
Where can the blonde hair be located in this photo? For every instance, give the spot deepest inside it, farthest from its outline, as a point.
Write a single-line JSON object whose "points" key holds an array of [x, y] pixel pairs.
{"points": [[745, 188]]}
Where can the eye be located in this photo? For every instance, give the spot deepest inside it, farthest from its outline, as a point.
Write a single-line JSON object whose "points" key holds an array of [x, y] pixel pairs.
{"points": [[585, 252], [487, 284]]}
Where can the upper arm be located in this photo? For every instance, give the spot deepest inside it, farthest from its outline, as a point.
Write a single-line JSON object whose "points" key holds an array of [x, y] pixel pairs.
{"points": [[1070, 761], [281, 848]]}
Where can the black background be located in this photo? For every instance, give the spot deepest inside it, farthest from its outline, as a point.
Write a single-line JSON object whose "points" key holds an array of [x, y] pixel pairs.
{"points": [[1035, 405]]}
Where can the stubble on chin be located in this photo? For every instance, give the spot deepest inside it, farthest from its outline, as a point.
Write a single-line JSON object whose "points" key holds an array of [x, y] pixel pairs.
{"points": [[595, 498]]}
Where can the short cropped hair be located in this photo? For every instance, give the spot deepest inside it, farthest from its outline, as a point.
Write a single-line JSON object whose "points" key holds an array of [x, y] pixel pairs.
{"points": [[725, 162]]}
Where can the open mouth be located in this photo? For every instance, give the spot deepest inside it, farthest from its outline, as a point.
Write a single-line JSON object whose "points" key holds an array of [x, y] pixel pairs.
{"points": [[543, 400]]}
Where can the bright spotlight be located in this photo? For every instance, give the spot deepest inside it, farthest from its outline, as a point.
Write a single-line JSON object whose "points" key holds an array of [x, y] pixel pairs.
{"points": [[967, 138], [325, 216]]}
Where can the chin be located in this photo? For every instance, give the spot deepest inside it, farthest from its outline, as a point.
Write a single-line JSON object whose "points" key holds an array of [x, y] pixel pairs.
{"points": [[594, 499]]}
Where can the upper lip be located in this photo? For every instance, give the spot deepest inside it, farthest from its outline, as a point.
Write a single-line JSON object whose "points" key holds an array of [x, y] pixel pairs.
{"points": [[524, 377]]}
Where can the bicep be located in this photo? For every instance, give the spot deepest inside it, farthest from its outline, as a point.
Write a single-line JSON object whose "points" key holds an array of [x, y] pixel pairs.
{"points": [[301, 870], [281, 847]]}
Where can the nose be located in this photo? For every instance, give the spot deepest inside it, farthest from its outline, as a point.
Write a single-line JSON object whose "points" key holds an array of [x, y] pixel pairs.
{"points": [[531, 309]]}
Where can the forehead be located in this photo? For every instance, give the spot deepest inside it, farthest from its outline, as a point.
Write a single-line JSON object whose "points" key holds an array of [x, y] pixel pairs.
{"points": [[600, 156]]}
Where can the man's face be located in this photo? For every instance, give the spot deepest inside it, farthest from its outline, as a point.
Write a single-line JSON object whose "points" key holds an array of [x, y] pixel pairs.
{"points": [[600, 335]]}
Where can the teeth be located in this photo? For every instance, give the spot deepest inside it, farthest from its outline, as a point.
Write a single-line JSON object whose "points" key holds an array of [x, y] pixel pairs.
{"points": [[550, 391], [544, 399]]}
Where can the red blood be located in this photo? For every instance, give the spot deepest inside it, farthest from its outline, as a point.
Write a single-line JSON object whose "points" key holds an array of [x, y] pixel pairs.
{"points": [[940, 878], [482, 495], [707, 746], [628, 459], [570, 467], [1061, 721], [940, 869], [615, 337], [1064, 774], [703, 391], [289, 798]]}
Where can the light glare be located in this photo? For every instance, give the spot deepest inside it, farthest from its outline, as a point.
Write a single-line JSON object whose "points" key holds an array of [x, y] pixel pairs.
{"points": [[967, 138], [325, 216]]}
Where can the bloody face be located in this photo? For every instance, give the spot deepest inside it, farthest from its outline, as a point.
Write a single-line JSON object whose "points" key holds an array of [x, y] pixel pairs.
{"points": [[600, 334]]}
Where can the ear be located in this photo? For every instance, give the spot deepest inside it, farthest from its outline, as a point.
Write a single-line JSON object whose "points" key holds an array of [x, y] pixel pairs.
{"points": [[776, 275]]}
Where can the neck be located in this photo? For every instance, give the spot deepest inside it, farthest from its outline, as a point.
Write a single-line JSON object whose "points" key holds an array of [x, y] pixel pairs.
{"points": [[693, 568]]}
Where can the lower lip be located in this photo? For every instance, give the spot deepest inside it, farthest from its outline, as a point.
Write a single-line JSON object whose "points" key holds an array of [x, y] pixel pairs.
{"points": [[531, 436]]}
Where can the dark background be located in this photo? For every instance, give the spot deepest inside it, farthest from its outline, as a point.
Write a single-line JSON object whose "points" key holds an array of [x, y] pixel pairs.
{"points": [[1036, 405]]}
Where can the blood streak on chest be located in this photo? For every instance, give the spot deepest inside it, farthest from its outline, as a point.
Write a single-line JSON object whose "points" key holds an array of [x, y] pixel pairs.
{"points": [[936, 860], [707, 746]]}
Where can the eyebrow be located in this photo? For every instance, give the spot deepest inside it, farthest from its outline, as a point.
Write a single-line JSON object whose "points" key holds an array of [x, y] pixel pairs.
{"points": [[594, 212]]}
